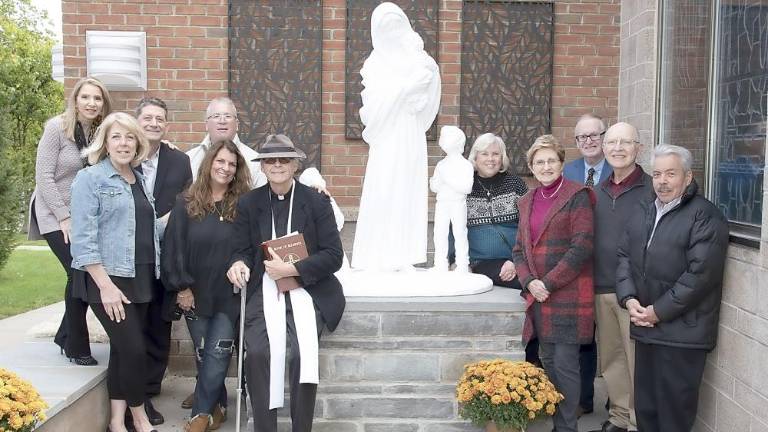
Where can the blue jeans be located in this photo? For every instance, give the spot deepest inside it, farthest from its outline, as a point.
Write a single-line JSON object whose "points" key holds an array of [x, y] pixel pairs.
{"points": [[214, 340]]}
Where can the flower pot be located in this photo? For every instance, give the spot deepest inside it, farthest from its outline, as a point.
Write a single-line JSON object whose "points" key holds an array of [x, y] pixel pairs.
{"points": [[491, 427]]}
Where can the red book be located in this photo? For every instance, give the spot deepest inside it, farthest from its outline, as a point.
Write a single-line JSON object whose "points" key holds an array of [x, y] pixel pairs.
{"points": [[291, 249]]}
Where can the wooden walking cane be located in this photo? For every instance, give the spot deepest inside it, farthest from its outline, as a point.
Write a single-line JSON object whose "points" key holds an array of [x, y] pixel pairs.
{"points": [[240, 359]]}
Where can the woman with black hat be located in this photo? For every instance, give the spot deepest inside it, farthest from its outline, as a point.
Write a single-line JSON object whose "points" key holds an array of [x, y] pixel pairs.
{"points": [[281, 207]]}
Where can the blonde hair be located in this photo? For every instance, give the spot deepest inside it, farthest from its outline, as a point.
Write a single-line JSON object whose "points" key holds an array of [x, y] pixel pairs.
{"points": [[482, 143], [97, 150], [545, 142], [69, 117]]}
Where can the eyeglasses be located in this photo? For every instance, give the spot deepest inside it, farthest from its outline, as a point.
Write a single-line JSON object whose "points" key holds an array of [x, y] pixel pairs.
{"points": [[620, 143], [582, 139], [221, 116], [540, 163], [272, 161]]}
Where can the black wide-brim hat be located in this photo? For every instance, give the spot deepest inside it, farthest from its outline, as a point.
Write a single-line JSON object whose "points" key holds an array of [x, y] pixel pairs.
{"points": [[279, 146]]}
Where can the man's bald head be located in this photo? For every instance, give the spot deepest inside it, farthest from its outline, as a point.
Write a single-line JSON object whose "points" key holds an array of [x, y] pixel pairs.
{"points": [[621, 146]]}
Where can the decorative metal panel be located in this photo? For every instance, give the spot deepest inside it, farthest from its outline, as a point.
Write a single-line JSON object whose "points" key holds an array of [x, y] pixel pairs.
{"points": [[275, 61], [423, 15], [506, 73]]}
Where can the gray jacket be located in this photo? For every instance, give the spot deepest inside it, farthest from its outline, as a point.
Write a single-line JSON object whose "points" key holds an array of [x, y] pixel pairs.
{"points": [[58, 161]]}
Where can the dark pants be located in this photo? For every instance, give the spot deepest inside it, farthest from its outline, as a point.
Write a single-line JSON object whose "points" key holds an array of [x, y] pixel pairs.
{"points": [[491, 268], [158, 339], [214, 339], [588, 370], [667, 381], [257, 370], [127, 370], [561, 362], [72, 335]]}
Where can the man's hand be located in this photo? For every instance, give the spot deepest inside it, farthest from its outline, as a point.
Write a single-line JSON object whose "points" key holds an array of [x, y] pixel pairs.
{"points": [[276, 268], [239, 274], [638, 315], [538, 290], [507, 272]]}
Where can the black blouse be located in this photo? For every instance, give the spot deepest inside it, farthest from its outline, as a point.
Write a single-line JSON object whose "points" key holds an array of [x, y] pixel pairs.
{"points": [[195, 255]]}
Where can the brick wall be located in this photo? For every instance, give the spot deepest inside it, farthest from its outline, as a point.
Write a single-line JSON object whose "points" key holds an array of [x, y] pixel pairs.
{"points": [[186, 53], [187, 66]]}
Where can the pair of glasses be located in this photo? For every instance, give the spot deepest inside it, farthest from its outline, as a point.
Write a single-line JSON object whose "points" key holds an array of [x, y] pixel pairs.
{"points": [[581, 139], [541, 163], [620, 143], [221, 116], [272, 161]]}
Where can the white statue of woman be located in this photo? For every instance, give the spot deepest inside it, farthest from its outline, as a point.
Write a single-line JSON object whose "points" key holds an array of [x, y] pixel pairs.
{"points": [[452, 182], [400, 101]]}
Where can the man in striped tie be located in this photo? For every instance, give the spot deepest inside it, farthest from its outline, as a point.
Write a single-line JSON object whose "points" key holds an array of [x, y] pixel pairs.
{"points": [[589, 169]]}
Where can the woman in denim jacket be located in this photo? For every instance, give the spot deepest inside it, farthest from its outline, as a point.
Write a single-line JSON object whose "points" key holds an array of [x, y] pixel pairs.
{"points": [[115, 254]]}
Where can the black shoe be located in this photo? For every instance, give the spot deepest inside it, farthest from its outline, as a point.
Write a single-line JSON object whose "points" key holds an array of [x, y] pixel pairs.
{"points": [[83, 361], [609, 427], [154, 416]]}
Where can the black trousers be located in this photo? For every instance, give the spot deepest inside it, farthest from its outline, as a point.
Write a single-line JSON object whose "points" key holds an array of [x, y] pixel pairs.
{"points": [[491, 268], [72, 335], [667, 381], [257, 370], [158, 339], [127, 370]]}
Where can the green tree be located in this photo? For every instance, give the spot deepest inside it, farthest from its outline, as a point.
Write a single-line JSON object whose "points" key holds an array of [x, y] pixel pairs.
{"points": [[28, 97]]}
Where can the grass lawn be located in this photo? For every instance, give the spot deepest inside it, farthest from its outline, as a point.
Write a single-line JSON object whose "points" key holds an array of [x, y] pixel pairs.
{"points": [[21, 239], [29, 280]]}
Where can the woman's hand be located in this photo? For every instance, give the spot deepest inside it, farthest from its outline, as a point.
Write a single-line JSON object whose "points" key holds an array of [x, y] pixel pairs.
{"points": [[507, 272], [66, 229], [185, 299], [239, 274], [276, 268], [538, 290], [113, 299]]}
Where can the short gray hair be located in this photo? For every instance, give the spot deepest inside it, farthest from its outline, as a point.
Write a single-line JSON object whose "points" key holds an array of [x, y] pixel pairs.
{"points": [[220, 99], [672, 150], [482, 143]]}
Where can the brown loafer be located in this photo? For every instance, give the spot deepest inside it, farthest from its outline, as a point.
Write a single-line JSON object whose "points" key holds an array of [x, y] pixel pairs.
{"points": [[187, 403], [219, 416], [199, 423]]}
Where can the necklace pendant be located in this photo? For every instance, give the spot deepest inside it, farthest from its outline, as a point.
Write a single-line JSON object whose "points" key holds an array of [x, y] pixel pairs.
{"points": [[221, 218]]}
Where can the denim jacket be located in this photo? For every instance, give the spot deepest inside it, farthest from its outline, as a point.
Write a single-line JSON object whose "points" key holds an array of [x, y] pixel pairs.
{"points": [[104, 221]]}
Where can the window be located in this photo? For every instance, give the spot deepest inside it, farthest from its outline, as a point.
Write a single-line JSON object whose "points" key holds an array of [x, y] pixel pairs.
{"points": [[713, 78]]}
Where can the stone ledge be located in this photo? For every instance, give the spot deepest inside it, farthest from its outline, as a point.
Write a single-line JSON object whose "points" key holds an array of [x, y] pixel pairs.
{"points": [[59, 382]]}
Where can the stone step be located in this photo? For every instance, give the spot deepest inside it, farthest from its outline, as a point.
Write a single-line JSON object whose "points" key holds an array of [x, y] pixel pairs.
{"points": [[393, 363]]}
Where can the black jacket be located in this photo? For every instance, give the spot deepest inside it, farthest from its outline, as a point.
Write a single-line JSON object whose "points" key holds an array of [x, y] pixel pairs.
{"points": [[313, 217], [680, 273], [174, 174], [611, 216]]}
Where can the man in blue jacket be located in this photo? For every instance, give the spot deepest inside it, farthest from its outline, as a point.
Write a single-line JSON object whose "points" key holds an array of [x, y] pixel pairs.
{"points": [[590, 169]]}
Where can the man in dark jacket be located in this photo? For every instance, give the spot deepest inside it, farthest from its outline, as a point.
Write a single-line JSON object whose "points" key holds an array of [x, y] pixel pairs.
{"points": [[617, 200], [166, 172], [669, 277]]}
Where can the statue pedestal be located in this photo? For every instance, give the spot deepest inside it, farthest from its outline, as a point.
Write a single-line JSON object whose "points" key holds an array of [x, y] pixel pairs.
{"points": [[414, 283]]}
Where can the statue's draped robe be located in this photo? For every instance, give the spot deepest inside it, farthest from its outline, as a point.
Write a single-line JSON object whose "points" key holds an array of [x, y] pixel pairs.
{"points": [[400, 101]]}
